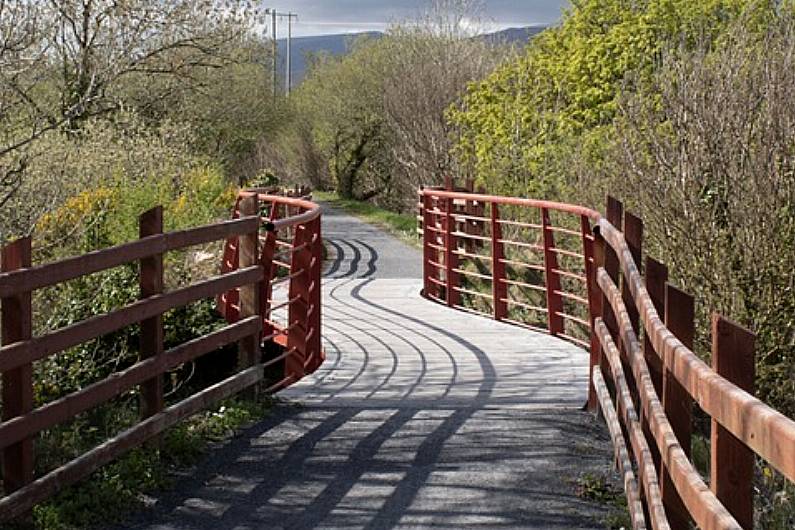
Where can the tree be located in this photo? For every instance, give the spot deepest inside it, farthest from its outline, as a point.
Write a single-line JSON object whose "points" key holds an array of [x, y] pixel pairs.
{"points": [[64, 61]]}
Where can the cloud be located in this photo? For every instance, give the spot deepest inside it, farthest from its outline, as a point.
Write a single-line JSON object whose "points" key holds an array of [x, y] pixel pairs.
{"points": [[343, 16]]}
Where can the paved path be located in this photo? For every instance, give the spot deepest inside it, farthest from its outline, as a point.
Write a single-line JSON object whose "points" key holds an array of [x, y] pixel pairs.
{"points": [[421, 417]]}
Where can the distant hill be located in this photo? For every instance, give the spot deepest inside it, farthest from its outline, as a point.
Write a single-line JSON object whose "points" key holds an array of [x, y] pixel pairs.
{"points": [[303, 47]]}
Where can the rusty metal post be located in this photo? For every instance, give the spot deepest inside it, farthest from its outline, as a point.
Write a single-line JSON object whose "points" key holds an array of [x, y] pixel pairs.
{"points": [[316, 345], [655, 279], [551, 277], [427, 251], [499, 289], [249, 347], [732, 462], [298, 294], [151, 284], [451, 258], [266, 260], [17, 326], [680, 320]]}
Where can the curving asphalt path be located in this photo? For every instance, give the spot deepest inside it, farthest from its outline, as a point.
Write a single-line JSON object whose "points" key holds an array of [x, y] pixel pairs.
{"points": [[421, 417]]}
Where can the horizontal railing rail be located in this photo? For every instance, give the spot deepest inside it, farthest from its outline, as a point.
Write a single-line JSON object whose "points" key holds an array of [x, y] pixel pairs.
{"points": [[251, 326], [644, 374]]}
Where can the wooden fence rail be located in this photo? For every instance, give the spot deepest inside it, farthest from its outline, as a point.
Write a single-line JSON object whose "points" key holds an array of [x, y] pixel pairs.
{"points": [[297, 230], [644, 375]]}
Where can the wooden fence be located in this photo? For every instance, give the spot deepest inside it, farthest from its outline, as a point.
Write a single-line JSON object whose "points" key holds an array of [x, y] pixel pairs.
{"points": [[249, 282], [644, 375]]}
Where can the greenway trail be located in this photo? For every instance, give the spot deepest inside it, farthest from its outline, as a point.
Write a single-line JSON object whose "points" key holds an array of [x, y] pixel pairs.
{"points": [[420, 417]]}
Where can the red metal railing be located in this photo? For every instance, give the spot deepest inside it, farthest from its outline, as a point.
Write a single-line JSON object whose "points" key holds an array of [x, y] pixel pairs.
{"points": [[293, 225], [291, 249], [505, 257], [645, 389]]}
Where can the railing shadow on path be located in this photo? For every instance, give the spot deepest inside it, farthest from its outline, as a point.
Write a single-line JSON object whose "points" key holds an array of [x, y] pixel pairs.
{"points": [[350, 458]]}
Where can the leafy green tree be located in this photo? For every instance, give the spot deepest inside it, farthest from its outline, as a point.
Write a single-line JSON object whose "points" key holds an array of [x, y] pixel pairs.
{"points": [[519, 126]]}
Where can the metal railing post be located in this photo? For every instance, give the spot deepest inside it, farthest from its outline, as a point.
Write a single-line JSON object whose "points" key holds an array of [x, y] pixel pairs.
{"points": [[551, 277], [499, 289], [151, 284], [451, 259]]}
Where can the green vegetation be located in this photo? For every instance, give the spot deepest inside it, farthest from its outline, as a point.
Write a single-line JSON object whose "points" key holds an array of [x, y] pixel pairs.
{"points": [[116, 489], [402, 225], [601, 488]]}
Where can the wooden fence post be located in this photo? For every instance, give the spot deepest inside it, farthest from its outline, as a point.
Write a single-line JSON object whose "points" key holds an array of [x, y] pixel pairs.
{"points": [[680, 320], [451, 258], [615, 213], [595, 298], [655, 278], [732, 462], [151, 283], [551, 277], [248, 244], [17, 326], [499, 289], [633, 233]]}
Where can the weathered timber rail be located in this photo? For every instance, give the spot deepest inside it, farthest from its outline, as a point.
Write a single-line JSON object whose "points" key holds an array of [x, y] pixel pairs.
{"points": [[292, 229], [646, 390]]}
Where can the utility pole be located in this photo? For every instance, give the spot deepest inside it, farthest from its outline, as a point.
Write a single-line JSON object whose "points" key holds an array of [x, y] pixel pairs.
{"points": [[288, 78], [274, 50]]}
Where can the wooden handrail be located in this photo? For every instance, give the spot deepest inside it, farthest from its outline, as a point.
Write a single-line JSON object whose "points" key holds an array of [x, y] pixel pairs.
{"points": [[245, 275]]}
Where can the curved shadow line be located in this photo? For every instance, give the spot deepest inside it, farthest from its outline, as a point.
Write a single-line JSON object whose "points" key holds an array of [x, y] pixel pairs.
{"points": [[339, 256], [357, 257], [371, 263], [447, 352]]}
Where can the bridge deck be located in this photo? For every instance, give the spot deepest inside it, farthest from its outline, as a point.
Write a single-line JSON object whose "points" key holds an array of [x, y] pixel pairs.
{"points": [[421, 416]]}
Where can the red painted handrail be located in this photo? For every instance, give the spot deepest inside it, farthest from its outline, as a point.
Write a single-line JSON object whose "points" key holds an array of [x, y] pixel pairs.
{"points": [[290, 301], [646, 390]]}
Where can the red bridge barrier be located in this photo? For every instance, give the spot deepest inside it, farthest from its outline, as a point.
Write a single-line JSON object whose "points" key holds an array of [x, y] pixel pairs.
{"points": [[280, 257], [570, 272]]}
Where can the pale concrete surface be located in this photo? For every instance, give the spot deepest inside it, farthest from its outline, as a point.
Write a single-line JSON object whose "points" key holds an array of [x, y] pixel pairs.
{"points": [[421, 417]]}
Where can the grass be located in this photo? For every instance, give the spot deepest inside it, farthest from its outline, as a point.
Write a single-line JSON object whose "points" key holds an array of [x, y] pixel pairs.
{"points": [[599, 488], [118, 488], [401, 225]]}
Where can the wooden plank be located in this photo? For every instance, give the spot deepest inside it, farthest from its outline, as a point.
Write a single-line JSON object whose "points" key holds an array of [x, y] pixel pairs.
{"points": [[68, 406], [151, 283], [701, 503], [23, 499], [765, 430], [622, 455], [640, 446], [17, 325], [678, 405], [731, 461], [551, 279], [33, 278], [19, 353]]}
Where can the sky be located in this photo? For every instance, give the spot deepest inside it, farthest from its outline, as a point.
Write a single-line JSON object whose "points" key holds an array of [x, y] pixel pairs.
{"points": [[323, 17]]}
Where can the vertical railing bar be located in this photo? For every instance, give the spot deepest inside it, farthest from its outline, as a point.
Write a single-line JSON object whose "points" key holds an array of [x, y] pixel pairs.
{"points": [[499, 289], [551, 278]]}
